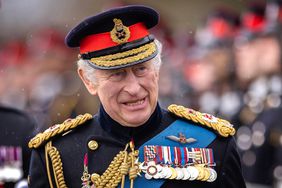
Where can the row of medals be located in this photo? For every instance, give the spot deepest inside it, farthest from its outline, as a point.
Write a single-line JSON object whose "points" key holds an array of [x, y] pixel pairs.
{"points": [[196, 172]]}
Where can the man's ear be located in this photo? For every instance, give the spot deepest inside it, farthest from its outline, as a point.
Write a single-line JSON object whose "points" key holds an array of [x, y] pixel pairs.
{"points": [[91, 87]]}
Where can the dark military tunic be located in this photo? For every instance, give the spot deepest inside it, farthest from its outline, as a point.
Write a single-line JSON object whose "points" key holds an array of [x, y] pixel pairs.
{"points": [[268, 155], [260, 130], [16, 130], [112, 138]]}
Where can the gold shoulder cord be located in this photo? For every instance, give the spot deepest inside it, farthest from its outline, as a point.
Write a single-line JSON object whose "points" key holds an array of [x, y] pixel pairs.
{"points": [[122, 164], [51, 151], [223, 127], [57, 166], [58, 129]]}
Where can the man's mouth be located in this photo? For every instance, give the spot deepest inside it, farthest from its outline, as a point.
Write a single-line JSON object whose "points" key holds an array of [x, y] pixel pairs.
{"points": [[135, 103]]}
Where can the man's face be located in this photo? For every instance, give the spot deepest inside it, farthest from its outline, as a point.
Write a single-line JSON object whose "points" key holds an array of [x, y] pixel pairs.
{"points": [[246, 61], [129, 95]]}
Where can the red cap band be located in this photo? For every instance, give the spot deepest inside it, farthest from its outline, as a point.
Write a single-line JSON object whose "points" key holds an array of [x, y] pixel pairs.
{"points": [[101, 41], [221, 28], [253, 22]]}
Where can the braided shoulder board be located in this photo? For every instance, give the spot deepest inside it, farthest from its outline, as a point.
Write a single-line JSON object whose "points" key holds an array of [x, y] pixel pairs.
{"points": [[222, 127], [58, 129]]}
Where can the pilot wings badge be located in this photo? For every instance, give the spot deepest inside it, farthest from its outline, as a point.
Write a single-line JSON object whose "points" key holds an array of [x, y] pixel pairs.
{"points": [[181, 139]]}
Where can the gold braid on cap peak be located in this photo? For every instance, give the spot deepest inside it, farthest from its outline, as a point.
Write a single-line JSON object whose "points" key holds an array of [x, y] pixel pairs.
{"points": [[126, 57], [58, 129], [223, 127]]}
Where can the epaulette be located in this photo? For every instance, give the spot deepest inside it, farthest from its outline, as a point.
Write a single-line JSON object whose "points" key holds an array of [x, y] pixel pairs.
{"points": [[221, 126], [58, 129]]}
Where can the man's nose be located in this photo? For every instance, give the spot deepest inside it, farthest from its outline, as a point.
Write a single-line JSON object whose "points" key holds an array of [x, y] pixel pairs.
{"points": [[132, 85]]}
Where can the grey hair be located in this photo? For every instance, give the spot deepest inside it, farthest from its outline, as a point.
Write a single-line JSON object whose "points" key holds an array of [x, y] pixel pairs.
{"points": [[89, 72]]}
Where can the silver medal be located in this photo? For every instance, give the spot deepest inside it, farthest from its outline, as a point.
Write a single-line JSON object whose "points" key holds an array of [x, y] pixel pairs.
{"points": [[213, 175], [163, 172], [180, 174], [186, 174], [193, 172], [168, 173]]}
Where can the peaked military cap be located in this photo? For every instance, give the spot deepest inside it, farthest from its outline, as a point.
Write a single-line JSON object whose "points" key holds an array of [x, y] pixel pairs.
{"points": [[116, 38], [253, 21]]}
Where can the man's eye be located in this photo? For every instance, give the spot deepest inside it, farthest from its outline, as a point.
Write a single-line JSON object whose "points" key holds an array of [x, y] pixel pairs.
{"points": [[117, 76], [140, 71]]}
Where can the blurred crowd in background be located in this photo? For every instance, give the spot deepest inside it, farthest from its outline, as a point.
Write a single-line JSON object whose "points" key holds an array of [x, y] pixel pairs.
{"points": [[230, 67]]}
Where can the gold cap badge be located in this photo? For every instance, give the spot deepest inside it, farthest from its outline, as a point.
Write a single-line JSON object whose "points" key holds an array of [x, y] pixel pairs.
{"points": [[120, 33]]}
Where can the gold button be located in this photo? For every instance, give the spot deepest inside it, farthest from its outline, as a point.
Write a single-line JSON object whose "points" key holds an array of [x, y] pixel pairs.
{"points": [[92, 144]]}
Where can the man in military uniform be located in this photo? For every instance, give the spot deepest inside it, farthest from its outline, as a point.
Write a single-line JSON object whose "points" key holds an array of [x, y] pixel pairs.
{"points": [[131, 141], [258, 64], [16, 131], [213, 57]]}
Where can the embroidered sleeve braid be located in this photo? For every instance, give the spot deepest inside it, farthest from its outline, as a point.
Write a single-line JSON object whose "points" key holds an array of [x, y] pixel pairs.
{"points": [[223, 127], [58, 129]]}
